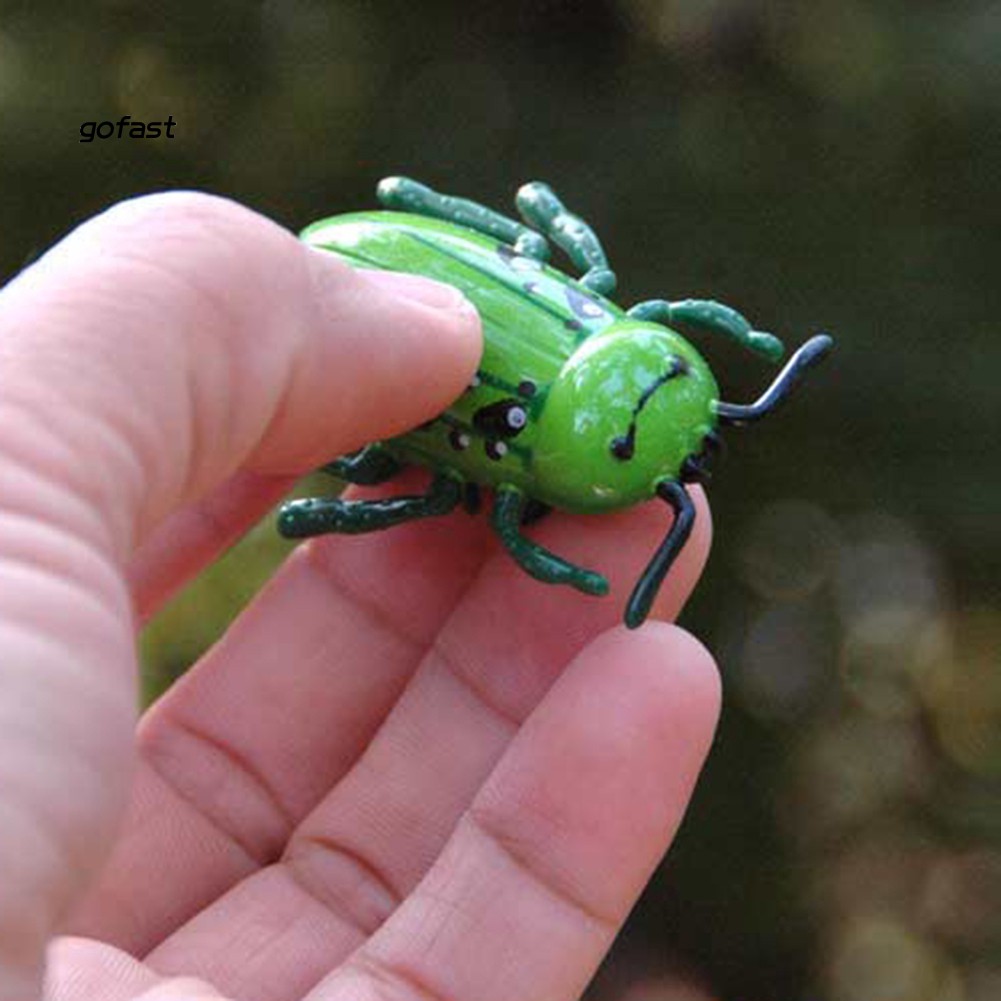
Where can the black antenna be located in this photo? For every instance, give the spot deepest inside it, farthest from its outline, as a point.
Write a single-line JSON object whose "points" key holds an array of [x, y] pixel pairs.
{"points": [[808, 355]]}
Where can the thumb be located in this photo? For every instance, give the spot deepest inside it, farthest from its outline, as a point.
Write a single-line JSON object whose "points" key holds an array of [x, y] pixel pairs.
{"points": [[147, 357]]}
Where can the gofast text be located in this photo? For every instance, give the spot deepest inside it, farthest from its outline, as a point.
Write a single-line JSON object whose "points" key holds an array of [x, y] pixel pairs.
{"points": [[127, 128]]}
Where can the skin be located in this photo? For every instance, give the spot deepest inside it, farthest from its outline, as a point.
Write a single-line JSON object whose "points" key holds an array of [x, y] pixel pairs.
{"points": [[407, 770]]}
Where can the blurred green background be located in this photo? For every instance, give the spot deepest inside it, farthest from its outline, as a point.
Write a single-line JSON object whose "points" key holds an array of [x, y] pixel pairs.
{"points": [[828, 165]]}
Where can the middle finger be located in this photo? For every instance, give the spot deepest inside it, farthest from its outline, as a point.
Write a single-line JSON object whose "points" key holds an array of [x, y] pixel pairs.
{"points": [[376, 833]]}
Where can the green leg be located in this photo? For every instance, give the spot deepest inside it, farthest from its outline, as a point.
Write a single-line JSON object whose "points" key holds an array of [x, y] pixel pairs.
{"points": [[371, 465], [540, 207], [509, 504], [317, 515], [405, 195], [711, 316]]}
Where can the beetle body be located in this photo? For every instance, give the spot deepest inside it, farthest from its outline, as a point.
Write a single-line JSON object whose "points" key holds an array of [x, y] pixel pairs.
{"points": [[577, 404], [561, 373]]}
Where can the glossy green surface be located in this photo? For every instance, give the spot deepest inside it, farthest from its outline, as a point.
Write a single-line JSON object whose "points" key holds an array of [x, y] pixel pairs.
{"points": [[588, 363], [594, 401]]}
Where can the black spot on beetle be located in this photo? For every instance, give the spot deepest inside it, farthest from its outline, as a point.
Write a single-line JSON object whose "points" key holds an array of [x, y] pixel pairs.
{"points": [[624, 446], [693, 470], [459, 440], [495, 450], [583, 305], [526, 388], [516, 261], [503, 419]]}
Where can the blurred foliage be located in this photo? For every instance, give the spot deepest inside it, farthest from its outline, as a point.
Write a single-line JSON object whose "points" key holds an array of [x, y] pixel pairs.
{"points": [[831, 165]]}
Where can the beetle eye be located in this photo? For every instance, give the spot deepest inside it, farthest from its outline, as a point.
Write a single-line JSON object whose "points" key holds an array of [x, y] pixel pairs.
{"points": [[623, 447]]}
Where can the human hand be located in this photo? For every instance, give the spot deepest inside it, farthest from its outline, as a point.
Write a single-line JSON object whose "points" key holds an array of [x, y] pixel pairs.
{"points": [[408, 771]]}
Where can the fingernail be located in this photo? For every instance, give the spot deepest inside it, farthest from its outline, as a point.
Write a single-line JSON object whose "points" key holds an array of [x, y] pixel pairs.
{"points": [[437, 295]]}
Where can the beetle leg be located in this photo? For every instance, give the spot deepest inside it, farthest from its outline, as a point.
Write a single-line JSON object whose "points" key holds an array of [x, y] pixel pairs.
{"points": [[317, 515], [534, 511], [712, 316], [471, 498], [509, 504], [405, 195], [370, 465], [540, 207], [638, 606]]}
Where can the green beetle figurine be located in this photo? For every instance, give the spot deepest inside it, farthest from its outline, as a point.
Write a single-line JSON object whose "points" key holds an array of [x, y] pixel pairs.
{"points": [[577, 404]]}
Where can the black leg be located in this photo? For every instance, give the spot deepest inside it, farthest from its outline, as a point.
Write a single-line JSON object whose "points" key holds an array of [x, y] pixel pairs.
{"points": [[471, 498], [638, 607], [534, 511], [372, 464]]}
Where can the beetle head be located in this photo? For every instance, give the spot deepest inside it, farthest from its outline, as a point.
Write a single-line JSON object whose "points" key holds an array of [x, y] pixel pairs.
{"points": [[627, 410]]}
